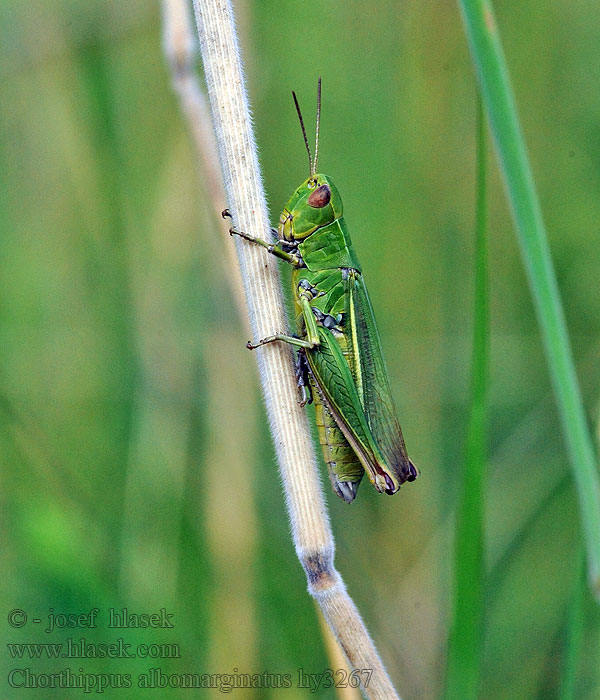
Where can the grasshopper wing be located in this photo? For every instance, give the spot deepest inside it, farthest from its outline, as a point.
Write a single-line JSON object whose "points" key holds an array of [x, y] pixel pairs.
{"points": [[372, 382], [336, 384]]}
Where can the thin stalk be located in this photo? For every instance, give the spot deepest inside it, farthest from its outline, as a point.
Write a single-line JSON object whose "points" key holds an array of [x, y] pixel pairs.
{"points": [[500, 105], [337, 660], [289, 424], [464, 651]]}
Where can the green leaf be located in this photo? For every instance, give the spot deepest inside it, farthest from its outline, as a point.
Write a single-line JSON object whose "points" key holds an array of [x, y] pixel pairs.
{"points": [[498, 98], [464, 650]]}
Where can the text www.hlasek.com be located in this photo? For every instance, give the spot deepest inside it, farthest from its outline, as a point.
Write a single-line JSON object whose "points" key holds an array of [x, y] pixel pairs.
{"points": [[83, 649]]}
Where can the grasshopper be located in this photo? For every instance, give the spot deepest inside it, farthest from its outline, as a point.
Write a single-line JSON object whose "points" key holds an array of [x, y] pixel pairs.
{"points": [[339, 360]]}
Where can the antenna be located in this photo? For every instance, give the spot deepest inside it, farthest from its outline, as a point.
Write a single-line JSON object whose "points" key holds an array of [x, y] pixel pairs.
{"points": [[314, 164], [310, 162]]}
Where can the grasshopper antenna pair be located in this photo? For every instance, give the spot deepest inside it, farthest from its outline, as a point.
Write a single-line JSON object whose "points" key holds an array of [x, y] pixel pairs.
{"points": [[312, 164]]}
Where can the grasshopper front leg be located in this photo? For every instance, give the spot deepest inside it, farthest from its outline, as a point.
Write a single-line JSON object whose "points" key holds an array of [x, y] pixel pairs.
{"points": [[226, 214], [302, 345], [274, 249], [296, 342], [311, 332]]}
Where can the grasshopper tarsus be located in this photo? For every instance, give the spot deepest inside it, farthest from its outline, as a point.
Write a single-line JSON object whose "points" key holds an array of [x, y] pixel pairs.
{"points": [[226, 214], [233, 231], [264, 341]]}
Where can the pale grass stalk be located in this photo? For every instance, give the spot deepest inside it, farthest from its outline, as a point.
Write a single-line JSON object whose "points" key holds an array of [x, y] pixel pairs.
{"points": [[289, 424], [337, 660]]}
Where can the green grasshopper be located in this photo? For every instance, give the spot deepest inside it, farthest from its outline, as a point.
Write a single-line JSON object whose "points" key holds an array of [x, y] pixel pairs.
{"points": [[339, 351]]}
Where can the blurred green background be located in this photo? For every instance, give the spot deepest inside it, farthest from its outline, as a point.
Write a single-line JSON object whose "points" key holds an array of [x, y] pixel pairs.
{"points": [[138, 469]]}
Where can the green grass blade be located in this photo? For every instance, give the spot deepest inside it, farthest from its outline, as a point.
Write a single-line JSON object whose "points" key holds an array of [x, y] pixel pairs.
{"points": [[574, 635], [493, 77], [464, 649]]}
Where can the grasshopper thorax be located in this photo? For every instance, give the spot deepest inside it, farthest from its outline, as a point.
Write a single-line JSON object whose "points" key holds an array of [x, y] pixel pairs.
{"points": [[315, 204]]}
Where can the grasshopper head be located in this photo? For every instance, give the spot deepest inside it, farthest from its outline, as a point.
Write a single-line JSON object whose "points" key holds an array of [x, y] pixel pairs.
{"points": [[317, 201], [313, 205]]}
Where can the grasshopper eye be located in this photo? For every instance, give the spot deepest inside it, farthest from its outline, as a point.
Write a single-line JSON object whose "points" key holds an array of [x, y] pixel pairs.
{"points": [[320, 197]]}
